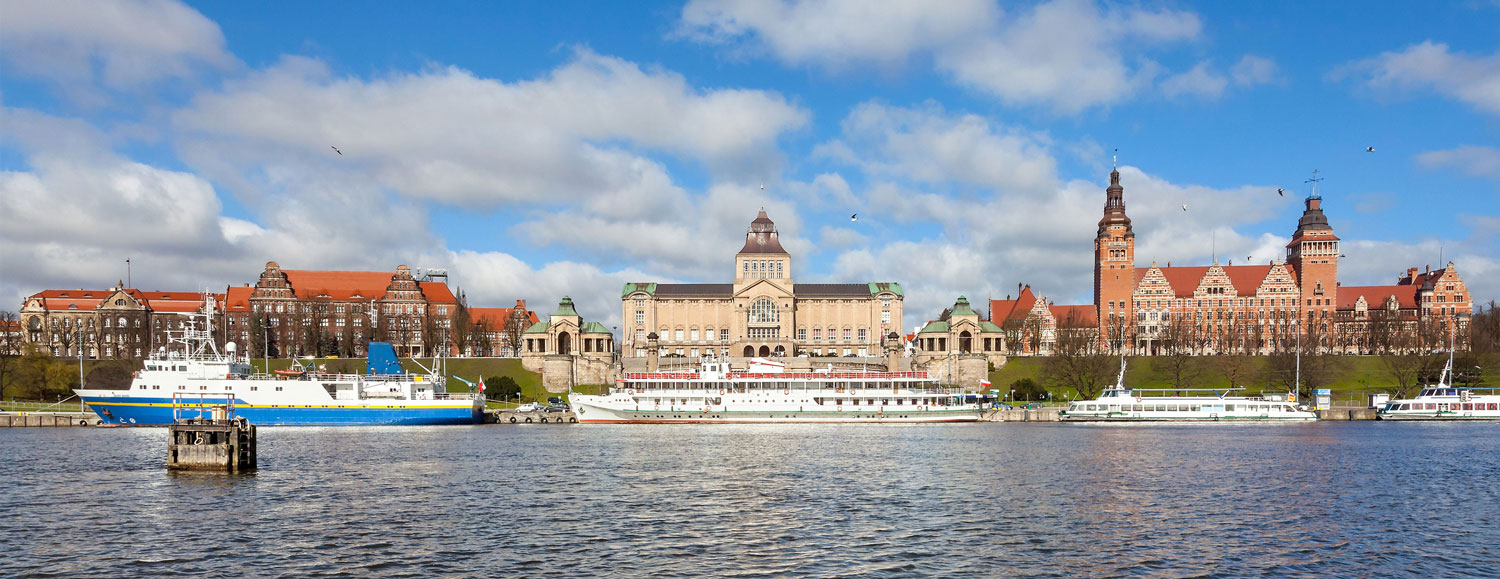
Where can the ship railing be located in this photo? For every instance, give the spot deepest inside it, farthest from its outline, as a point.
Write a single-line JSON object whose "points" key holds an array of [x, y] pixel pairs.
{"points": [[783, 375]]}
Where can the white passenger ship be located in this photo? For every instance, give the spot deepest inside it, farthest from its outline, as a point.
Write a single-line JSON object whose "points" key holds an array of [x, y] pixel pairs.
{"points": [[766, 392], [1444, 401], [1121, 404], [192, 378]]}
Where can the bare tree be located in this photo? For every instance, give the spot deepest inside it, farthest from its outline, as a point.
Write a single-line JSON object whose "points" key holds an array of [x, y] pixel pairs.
{"points": [[1179, 339], [1080, 360], [10, 346], [515, 327], [461, 324]]}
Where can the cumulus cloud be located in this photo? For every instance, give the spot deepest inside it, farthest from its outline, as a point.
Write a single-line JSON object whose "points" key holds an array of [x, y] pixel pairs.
{"points": [[1200, 81], [927, 144], [1472, 160], [116, 44], [992, 212], [1068, 55], [1471, 79], [447, 135]]}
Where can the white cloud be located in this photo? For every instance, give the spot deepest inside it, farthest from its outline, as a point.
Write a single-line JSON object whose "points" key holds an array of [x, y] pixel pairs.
{"points": [[119, 44], [837, 33], [1473, 160], [447, 135], [493, 279], [926, 144], [1472, 79], [830, 237], [1068, 55], [1200, 81], [1252, 70]]}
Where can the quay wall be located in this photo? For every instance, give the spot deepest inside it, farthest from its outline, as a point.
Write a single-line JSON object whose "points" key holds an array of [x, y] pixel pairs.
{"points": [[48, 419]]}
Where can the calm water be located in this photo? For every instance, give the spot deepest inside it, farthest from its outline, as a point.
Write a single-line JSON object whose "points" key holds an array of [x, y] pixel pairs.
{"points": [[1337, 499]]}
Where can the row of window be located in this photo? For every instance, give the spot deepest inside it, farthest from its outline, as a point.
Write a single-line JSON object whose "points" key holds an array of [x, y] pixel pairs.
{"points": [[1249, 408], [1444, 406], [692, 335]]}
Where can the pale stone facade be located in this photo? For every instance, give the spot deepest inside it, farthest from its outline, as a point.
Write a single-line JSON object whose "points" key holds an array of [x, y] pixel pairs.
{"points": [[763, 313], [568, 351], [959, 346]]}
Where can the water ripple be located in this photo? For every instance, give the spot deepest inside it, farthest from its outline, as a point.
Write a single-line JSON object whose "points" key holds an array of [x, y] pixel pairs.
{"points": [[1340, 499]]}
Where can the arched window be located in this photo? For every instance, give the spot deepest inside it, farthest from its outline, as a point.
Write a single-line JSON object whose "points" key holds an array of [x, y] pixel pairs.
{"points": [[763, 311]]}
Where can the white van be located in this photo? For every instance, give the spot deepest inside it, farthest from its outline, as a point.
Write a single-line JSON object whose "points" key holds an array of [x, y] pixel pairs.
{"points": [[528, 407]]}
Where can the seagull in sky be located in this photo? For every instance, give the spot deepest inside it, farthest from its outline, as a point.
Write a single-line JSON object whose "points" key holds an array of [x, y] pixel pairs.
{"points": [[1184, 207], [1369, 149], [854, 217], [1280, 192], [336, 150]]}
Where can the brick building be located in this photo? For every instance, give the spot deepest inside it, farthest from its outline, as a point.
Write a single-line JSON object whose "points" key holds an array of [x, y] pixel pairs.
{"points": [[316, 313], [113, 323], [1258, 309], [497, 331]]}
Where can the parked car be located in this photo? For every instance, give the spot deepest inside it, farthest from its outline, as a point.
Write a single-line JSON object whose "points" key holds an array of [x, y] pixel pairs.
{"points": [[556, 408], [528, 407]]}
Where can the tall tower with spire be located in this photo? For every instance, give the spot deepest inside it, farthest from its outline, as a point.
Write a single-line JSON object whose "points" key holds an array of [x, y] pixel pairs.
{"points": [[762, 257], [1313, 255], [1114, 260]]}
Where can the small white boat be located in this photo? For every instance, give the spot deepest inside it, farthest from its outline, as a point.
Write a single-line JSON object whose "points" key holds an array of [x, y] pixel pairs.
{"points": [[1122, 404], [1444, 401]]}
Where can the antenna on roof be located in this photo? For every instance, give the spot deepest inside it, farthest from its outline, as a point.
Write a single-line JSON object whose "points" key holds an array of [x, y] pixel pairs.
{"points": [[1314, 180]]}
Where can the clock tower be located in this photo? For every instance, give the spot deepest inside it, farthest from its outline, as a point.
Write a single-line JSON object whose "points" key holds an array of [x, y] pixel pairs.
{"points": [[1114, 263]]}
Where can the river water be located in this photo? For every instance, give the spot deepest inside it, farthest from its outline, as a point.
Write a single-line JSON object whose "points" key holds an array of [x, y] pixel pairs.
{"points": [[1325, 499]]}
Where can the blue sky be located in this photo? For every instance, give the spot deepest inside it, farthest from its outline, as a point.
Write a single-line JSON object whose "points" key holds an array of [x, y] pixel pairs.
{"points": [[543, 149]]}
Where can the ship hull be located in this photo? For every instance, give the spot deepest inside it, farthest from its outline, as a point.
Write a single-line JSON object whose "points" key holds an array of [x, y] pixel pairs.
{"points": [[589, 413], [157, 411]]}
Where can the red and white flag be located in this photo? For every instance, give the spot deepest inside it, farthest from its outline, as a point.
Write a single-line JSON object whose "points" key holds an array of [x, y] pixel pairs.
{"points": [[481, 384], [981, 383]]}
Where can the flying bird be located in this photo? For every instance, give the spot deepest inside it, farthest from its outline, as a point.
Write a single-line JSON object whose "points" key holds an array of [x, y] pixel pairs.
{"points": [[854, 217], [1369, 149], [1280, 192], [1184, 207], [336, 150]]}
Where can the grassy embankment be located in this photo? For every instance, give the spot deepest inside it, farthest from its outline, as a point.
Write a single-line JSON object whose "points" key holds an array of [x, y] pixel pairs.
{"points": [[1353, 378]]}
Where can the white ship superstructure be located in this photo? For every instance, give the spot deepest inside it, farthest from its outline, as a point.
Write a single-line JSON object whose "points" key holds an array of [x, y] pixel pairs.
{"points": [[1122, 404], [1444, 401], [766, 392]]}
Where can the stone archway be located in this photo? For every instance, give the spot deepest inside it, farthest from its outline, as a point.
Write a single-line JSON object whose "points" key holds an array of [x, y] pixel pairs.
{"points": [[765, 351], [965, 342], [780, 351], [564, 343], [749, 351]]}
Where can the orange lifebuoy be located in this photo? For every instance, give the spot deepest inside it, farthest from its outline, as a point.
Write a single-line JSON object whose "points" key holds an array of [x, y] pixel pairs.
{"points": [[786, 391], [721, 391]]}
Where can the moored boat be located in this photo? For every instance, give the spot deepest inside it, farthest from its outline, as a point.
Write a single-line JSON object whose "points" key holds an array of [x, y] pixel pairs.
{"points": [[1123, 404], [1444, 401], [191, 378], [767, 393]]}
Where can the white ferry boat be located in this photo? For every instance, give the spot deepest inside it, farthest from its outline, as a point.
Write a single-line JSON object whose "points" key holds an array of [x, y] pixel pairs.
{"points": [[766, 392], [1122, 404], [1444, 401], [191, 377]]}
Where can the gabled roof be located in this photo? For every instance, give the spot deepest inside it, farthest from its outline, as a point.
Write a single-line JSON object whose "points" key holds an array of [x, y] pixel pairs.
{"points": [[593, 328], [1074, 316], [1184, 280], [1007, 309], [1375, 296], [356, 285], [494, 319], [537, 328], [988, 326], [237, 299]]}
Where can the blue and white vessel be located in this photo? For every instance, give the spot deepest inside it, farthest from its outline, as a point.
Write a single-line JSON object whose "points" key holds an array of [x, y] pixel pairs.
{"points": [[190, 377]]}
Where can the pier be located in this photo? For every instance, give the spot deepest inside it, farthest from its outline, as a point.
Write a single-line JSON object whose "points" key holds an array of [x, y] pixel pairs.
{"points": [[48, 419]]}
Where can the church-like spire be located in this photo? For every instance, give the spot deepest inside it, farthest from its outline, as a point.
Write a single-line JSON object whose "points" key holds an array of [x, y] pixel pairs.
{"points": [[1114, 207]]}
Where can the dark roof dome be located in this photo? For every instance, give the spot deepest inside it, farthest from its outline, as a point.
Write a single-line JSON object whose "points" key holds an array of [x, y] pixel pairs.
{"points": [[762, 236]]}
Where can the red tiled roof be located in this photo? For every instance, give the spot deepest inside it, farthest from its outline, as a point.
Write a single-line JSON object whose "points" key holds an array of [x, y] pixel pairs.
{"points": [[437, 292], [338, 285], [1185, 279], [170, 301], [1375, 295], [1003, 310], [493, 319], [237, 299], [1082, 316]]}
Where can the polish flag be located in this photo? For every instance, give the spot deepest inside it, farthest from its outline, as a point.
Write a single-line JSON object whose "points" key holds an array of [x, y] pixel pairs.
{"points": [[984, 383], [481, 384]]}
